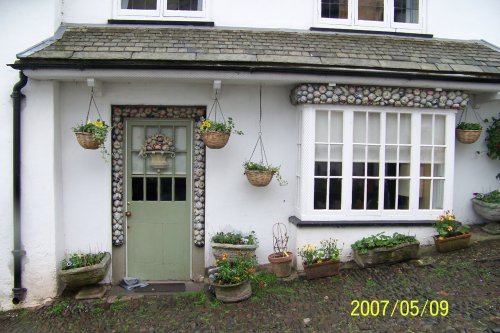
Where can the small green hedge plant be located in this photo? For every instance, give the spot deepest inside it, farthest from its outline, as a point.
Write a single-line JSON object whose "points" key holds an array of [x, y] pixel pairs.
{"points": [[381, 240], [235, 238], [491, 197], [77, 260], [469, 126], [493, 138]]}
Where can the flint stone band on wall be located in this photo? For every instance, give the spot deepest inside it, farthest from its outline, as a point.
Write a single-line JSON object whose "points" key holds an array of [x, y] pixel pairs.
{"points": [[317, 93], [118, 164]]}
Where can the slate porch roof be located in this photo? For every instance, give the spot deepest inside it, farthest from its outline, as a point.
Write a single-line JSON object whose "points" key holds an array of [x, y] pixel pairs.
{"points": [[263, 50]]}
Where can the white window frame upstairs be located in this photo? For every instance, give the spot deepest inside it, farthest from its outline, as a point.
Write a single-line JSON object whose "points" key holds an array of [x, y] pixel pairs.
{"points": [[388, 24], [162, 13], [307, 166]]}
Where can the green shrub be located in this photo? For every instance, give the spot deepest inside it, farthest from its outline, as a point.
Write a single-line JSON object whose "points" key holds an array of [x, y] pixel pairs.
{"points": [[381, 240], [77, 260], [469, 126], [235, 238]]}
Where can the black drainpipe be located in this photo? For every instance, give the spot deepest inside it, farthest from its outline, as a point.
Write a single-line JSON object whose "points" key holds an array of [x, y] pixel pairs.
{"points": [[18, 290]]}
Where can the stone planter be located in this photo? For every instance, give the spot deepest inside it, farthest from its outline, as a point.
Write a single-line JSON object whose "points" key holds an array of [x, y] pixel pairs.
{"points": [[452, 243], [387, 255], [489, 212], [230, 293], [84, 276], [219, 249], [281, 265], [324, 269]]}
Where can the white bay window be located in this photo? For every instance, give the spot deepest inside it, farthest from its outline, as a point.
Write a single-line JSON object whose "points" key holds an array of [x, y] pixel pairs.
{"points": [[375, 163], [161, 9]]}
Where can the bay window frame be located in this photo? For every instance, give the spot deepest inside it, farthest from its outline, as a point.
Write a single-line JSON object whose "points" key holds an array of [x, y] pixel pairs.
{"points": [[162, 13], [306, 211]]}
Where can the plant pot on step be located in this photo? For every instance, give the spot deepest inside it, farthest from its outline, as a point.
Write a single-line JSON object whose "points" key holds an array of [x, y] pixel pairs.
{"points": [[387, 255], [324, 269], [215, 140], [232, 250], [87, 140], [281, 265], [454, 243], [85, 276], [467, 136], [259, 178], [230, 293]]}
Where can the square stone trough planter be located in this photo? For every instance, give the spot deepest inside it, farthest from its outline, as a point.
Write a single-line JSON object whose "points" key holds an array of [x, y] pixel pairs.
{"points": [[84, 276], [231, 250], [320, 270], [449, 244], [387, 255]]}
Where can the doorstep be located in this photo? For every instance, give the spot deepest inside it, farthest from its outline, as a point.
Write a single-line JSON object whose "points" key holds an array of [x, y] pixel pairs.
{"points": [[118, 293]]}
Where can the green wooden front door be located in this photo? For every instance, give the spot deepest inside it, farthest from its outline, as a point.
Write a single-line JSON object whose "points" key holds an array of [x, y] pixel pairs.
{"points": [[159, 204]]}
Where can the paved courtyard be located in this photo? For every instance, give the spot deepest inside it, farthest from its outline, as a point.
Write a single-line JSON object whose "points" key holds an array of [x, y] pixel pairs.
{"points": [[460, 292]]}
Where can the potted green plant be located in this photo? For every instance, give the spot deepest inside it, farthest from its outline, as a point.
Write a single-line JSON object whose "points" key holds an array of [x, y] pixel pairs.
{"points": [[215, 134], [84, 269], [382, 249], [487, 205], [493, 138], [233, 244], [233, 276], [260, 174], [320, 261], [452, 235], [281, 258], [92, 135], [158, 147], [468, 132]]}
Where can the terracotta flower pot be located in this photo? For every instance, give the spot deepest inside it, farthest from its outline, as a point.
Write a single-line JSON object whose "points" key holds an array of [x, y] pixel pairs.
{"points": [[231, 250], [230, 293], [84, 276], [387, 255], [324, 269], [452, 243], [281, 265]]}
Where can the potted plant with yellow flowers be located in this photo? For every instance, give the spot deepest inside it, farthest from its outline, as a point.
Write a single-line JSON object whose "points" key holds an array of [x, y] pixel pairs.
{"points": [[320, 261], [452, 235], [216, 134], [232, 279]]}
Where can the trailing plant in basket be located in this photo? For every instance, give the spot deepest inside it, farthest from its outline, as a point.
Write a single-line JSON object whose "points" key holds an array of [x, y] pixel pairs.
{"points": [[208, 125], [239, 269], [253, 166], [381, 240], [469, 126], [493, 138], [235, 238], [312, 254], [77, 260], [99, 129], [447, 226]]}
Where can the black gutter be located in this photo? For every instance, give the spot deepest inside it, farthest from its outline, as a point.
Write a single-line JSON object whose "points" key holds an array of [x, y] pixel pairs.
{"points": [[279, 68], [18, 290]]}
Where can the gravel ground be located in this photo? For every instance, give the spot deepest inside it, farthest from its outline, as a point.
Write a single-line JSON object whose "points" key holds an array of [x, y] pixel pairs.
{"points": [[469, 280]]}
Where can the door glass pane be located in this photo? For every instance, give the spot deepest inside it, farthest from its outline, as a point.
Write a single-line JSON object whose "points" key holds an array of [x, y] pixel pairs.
{"points": [[137, 164], [170, 166], [180, 163], [166, 189], [337, 9], [320, 193], [335, 193], [360, 126], [321, 126], [437, 194], [405, 128], [151, 130], [372, 194], [374, 128], [168, 131], [358, 193], [180, 138], [139, 4], [406, 11], [371, 10], [151, 189], [439, 130], [336, 127], [137, 189], [180, 189], [391, 128], [137, 137], [424, 194]]}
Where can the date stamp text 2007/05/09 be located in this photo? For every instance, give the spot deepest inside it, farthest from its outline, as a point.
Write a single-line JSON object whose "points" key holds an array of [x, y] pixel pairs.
{"points": [[405, 308]]}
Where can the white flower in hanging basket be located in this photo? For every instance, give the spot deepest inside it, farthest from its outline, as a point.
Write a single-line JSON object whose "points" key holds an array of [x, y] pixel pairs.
{"points": [[158, 147]]}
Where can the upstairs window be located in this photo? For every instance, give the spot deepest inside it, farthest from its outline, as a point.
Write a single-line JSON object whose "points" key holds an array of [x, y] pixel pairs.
{"points": [[161, 9], [387, 15]]}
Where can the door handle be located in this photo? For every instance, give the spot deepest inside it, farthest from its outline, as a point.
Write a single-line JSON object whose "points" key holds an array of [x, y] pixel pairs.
{"points": [[128, 213]]}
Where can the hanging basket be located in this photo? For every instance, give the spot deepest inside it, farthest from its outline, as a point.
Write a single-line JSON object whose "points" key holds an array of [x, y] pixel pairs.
{"points": [[467, 136], [215, 140], [259, 178], [87, 140]]}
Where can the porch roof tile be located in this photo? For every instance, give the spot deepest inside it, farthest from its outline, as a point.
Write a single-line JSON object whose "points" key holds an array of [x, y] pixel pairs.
{"points": [[320, 50]]}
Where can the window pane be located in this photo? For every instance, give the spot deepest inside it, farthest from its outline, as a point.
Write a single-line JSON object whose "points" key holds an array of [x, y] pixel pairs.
{"points": [[390, 169], [180, 138], [334, 9], [359, 153], [405, 129], [137, 189], [139, 4], [424, 194], [137, 137], [371, 10], [321, 153], [404, 194], [391, 128], [426, 154], [180, 189], [320, 193], [335, 169], [439, 130], [358, 169], [336, 127], [360, 126], [406, 11], [374, 128], [372, 194], [404, 169], [168, 131], [404, 154], [320, 168], [390, 194], [336, 153], [335, 193], [391, 153], [137, 164], [373, 154], [151, 189], [372, 170], [180, 163], [426, 130], [184, 4], [321, 126], [358, 193], [437, 194], [425, 170], [166, 189]]}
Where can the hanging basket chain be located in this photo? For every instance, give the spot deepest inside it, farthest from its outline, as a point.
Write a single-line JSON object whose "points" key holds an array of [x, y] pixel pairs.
{"points": [[214, 107], [464, 115], [92, 99], [263, 157]]}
